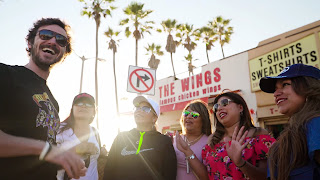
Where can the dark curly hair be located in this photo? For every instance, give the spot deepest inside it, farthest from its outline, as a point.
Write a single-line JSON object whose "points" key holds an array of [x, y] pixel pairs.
{"points": [[45, 22]]}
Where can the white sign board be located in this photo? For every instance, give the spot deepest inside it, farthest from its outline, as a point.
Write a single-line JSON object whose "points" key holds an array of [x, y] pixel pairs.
{"points": [[141, 80]]}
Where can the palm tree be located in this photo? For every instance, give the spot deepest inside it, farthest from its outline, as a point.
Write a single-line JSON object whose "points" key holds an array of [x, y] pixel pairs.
{"points": [[190, 66], [136, 15], [154, 49], [223, 30], [110, 33], [208, 36], [169, 26], [96, 10], [185, 35]]}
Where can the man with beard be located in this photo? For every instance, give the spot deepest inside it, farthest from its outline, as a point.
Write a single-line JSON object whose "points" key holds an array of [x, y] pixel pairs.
{"points": [[29, 116]]}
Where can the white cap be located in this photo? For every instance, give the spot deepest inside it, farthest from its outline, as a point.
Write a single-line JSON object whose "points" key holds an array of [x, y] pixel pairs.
{"points": [[139, 99]]}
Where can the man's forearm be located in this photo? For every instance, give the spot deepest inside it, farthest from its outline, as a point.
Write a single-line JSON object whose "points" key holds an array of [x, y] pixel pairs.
{"points": [[13, 146]]}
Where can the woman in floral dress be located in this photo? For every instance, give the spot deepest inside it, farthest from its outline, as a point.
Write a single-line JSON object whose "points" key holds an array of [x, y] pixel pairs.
{"points": [[233, 152]]}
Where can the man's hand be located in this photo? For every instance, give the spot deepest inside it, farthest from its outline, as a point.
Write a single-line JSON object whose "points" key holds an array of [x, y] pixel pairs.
{"points": [[71, 162]]}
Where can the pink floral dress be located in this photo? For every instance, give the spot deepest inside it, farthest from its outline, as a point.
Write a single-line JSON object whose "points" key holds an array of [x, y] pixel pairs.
{"points": [[220, 166]]}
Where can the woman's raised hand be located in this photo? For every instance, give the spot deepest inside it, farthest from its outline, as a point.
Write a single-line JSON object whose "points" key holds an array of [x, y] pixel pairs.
{"points": [[181, 144], [234, 150]]}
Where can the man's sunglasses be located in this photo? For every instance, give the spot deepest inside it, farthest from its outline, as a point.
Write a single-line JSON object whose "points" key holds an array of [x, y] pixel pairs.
{"points": [[84, 104], [193, 114], [143, 108], [223, 103], [45, 34]]}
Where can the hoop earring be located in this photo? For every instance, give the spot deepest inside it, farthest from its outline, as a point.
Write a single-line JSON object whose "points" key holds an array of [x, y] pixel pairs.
{"points": [[241, 113]]}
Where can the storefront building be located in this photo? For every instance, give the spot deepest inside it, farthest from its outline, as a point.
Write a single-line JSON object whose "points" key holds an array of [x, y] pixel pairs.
{"points": [[301, 45], [241, 73], [173, 95]]}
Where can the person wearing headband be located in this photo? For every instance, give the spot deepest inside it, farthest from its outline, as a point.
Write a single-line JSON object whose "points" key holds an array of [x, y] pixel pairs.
{"points": [[29, 112], [237, 149], [196, 127], [142, 153], [77, 135], [296, 154]]}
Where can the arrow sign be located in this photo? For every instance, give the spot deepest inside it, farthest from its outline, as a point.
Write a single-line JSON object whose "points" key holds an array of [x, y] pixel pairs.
{"points": [[145, 78], [141, 80]]}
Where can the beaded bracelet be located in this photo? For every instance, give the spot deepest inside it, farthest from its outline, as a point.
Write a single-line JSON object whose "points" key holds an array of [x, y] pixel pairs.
{"points": [[245, 162]]}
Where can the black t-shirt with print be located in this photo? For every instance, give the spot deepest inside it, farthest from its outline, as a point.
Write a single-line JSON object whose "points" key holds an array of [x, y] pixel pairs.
{"points": [[27, 109]]}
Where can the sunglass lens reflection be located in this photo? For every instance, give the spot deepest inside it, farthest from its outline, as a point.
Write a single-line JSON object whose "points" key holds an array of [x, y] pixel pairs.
{"points": [[186, 113], [47, 34]]}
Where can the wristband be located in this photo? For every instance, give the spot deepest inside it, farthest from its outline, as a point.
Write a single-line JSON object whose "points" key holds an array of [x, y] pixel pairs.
{"points": [[192, 156], [46, 149], [245, 162]]}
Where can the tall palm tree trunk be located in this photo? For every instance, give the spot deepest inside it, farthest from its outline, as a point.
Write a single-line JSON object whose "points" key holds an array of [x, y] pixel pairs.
{"points": [[115, 81], [221, 46], [96, 74], [207, 56], [81, 76], [136, 52], [174, 72]]}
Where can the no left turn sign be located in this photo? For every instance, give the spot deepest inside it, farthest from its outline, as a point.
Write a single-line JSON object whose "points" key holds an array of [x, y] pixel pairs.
{"points": [[141, 80]]}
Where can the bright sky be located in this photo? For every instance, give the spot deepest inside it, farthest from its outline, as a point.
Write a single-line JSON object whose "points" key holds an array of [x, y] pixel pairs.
{"points": [[253, 21]]}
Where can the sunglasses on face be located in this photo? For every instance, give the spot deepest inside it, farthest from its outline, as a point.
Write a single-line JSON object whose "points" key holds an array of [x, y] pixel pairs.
{"points": [[84, 104], [143, 108], [193, 114], [45, 34], [223, 103]]}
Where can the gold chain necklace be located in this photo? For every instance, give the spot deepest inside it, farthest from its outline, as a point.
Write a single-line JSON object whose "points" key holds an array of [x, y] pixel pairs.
{"points": [[194, 141]]}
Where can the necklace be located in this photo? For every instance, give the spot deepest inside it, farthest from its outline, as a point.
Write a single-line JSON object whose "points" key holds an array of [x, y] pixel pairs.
{"points": [[194, 141]]}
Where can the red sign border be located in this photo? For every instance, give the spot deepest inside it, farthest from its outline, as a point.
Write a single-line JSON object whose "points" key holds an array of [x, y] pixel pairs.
{"points": [[141, 91]]}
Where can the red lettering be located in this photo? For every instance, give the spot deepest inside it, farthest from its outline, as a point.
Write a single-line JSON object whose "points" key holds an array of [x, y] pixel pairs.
{"points": [[192, 81], [185, 84], [166, 90], [207, 78], [217, 77], [199, 80], [160, 89], [171, 89]]}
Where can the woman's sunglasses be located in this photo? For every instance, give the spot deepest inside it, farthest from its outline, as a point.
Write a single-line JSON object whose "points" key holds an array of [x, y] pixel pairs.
{"points": [[84, 104], [193, 114], [223, 103], [45, 34]]}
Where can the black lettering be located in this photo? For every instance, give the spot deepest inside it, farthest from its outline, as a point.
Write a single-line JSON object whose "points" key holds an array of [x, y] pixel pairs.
{"points": [[259, 73], [260, 62], [286, 53], [253, 76], [298, 46], [292, 52], [265, 72], [269, 59], [281, 66], [270, 71], [313, 55], [280, 54], [275, 67], [275, 57], [288, 63], [299, 60], [306, 57]]}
